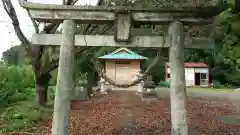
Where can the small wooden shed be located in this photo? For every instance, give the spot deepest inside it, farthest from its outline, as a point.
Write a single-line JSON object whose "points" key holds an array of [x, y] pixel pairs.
{"points": [[122, 65], [196, 74]]}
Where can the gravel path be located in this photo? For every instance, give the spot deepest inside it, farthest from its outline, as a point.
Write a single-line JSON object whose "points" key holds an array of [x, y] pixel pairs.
{"points": [[123, 113]]}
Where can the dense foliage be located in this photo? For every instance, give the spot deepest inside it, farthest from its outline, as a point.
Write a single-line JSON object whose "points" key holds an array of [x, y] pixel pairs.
{"points": [[16, 84]]}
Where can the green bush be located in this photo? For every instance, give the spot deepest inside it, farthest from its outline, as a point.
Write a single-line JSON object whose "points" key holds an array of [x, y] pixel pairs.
{"points": [[164, 84], [51, 92], [216, 84], [23, 115], [16, 84], [53, 80], [229, 86]]}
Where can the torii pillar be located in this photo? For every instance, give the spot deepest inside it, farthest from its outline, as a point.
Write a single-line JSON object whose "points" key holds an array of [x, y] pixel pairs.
{"points": [[178, 94], [64, 79]]}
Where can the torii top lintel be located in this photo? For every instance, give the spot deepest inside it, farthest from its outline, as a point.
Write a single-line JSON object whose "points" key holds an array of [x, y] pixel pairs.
{"points": [[106, 15]]}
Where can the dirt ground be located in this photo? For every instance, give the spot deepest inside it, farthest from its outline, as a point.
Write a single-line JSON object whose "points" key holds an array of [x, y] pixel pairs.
{"points": [[123, 113]]}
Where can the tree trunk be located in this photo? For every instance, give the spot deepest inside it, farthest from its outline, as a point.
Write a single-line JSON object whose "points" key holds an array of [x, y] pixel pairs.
{"points": [[90, 82], [41, 94], [42, 82]]}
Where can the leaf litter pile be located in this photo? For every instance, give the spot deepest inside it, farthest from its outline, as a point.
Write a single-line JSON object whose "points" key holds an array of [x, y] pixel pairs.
{"points": [[123, 113]]}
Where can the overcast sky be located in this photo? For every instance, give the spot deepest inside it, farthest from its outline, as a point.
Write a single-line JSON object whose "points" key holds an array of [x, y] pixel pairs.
{"points": [[7, 34]]}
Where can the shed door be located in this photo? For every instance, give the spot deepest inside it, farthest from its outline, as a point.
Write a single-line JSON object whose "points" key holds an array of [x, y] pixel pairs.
{"points": [[123, 73]]}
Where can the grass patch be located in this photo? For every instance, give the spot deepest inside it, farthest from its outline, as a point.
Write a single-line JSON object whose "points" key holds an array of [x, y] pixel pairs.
{"points": [[202, 89], [210, 90], [197, 92], [23, 115]]}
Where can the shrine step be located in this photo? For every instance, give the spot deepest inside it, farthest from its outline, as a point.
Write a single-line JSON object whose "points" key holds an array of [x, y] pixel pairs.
{"points": [[110, 87], [149, 97], [134, 88]]}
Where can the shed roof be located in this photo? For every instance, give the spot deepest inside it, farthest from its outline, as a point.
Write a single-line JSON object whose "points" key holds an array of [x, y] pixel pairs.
{"points": [[193, 64], [123, 54]]}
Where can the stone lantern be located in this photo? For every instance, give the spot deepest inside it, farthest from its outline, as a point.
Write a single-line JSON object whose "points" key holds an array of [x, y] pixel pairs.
{"points": [[149, 84], [80, 92]]}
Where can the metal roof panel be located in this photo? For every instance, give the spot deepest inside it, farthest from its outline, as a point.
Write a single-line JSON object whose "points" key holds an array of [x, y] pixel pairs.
{"points": [[124, 54], [193, 64]]}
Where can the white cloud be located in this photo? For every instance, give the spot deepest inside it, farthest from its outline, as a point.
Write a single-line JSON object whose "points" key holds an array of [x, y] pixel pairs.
{"points": [[7, 34]]}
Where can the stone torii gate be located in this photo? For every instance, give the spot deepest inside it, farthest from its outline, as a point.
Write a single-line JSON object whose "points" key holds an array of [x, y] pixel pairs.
{"points": [[123, 18]]}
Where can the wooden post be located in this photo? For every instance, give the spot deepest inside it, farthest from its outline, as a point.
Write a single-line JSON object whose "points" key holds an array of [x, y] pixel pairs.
{"points": [[64, 81], [177, 80]]}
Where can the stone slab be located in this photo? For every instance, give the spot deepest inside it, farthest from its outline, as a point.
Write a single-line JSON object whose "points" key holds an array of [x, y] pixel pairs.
{"points": [[230, 119]]}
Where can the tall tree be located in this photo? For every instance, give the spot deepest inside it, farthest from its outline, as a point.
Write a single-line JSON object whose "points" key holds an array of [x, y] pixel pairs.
{"points": [[41, 67], [228, 42]]}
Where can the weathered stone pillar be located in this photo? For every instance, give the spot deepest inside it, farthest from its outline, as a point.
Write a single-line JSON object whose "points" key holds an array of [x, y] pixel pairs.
{"points": [[140, 88], [64, 80], [177, 82], [140, 85], [149, 84]]}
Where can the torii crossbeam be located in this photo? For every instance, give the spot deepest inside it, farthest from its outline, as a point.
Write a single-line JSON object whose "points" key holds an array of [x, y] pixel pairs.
{"points": [[124, 19]]}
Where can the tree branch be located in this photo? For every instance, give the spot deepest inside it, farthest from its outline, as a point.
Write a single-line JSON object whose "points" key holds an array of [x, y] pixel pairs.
{"points": [[67, 2], [9, 9], [37, 62], [74, 2], [54, 64], [39, 49], [99, 3], [6, 8], [35, 25], [35, 53]]}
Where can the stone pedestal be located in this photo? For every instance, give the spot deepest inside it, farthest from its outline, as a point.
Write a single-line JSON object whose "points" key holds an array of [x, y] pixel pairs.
{"points": [[102, 86], [149, 84], [140, 87], [80, 92]]}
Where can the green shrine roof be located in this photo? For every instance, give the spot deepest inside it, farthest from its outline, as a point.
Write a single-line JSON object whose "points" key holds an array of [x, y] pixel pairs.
{"points": [[123, 54]]}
